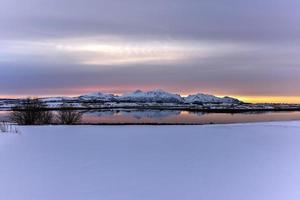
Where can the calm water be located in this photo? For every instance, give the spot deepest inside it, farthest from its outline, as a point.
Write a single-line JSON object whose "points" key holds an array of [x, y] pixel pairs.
{"points": [[171, 116]]}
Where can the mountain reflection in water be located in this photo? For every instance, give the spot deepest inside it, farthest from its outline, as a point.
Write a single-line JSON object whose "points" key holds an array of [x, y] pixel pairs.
{"points": [[174, 117], [185, 117]]}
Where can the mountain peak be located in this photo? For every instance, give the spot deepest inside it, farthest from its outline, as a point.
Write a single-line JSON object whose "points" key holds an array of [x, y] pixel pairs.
{"points": [[159, 95], [207, 98], [138, 91], [158, 91], [98, 96]]}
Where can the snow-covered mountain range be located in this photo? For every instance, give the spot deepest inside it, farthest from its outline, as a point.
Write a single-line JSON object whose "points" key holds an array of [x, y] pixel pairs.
{"points": [[206, 98], [151, 96], [155, 99], [157, 95], [128, 99], [98, 96]]}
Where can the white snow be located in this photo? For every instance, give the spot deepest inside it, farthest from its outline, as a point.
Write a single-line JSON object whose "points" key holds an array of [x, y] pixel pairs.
{"points": [[158, 95], [206, 98], [151, 96], [57, 99], [218, 162], [98, 96]]}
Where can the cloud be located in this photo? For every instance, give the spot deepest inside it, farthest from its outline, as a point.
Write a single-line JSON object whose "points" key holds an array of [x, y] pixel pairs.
{"points": [[115, 50], [193, 19], [225, 46]]}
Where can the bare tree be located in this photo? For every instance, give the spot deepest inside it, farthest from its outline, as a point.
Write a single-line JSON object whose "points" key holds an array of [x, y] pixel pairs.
{"points": [[67, 115], [31, 112]]}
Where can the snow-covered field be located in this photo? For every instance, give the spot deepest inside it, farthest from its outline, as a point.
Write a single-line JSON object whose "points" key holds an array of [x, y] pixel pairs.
{"points": [[217, 162]]}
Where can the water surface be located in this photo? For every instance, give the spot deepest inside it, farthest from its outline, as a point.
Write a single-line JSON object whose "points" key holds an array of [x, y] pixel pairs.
{"points": [[175, 117]]}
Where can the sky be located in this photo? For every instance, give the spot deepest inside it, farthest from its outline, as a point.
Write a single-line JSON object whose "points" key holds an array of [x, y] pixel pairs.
{"points": [[245, 49]]}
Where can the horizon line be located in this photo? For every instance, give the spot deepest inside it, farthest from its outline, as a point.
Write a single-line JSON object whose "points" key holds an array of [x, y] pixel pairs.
{"points": [[244, 98]]}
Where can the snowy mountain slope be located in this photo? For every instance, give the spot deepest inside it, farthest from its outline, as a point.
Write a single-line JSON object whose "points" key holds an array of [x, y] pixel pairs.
{"points": [[140, 96], [57, 99], [230, 100], [202, 98], [151, 96], [98, 96], [206, 98], [144, 97]]}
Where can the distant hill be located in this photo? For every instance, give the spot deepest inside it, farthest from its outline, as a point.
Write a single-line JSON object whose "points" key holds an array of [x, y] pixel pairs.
{"points": [[132, 99], [157, 95]]}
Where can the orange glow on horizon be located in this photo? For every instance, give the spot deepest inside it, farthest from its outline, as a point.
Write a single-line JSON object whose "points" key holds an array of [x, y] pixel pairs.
{"points": [[269, 99], [73, 92]]}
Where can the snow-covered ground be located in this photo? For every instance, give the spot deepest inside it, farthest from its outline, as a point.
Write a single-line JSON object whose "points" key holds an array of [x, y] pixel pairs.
{"points": [[217, 162]]}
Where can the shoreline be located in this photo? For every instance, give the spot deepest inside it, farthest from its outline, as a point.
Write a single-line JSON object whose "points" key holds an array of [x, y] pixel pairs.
{"points": [[143, 108]]}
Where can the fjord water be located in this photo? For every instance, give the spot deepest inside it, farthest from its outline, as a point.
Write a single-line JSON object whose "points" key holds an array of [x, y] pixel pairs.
{"points": [[174, 117]]}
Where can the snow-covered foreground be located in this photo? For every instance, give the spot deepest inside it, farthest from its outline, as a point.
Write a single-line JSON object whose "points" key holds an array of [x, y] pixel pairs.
{"points": [[218, 162]]}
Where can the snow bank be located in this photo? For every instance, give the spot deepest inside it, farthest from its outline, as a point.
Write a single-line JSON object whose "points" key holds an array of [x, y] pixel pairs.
{"points": [[217, 162]]}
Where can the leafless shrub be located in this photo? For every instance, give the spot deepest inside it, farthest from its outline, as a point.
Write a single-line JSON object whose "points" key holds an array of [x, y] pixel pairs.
{"points": [[31, 112], [66, 115], [6, 127]]}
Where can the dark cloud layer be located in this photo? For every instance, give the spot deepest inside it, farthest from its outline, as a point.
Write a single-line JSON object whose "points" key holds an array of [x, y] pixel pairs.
{"points": [[225, 19]]}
